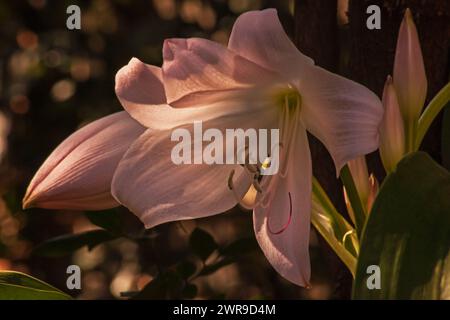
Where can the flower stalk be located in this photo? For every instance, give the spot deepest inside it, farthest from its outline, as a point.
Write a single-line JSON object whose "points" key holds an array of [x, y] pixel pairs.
{"points": [[355, 201], [333, 227], [431, 111]]}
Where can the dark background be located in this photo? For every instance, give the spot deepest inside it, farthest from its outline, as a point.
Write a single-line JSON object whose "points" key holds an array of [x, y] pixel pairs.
{"points": [[53, 81]]}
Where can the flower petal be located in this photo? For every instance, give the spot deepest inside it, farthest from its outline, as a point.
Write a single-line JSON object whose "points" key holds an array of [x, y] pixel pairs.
{"points": [[259, 37], [286, 244], [139, 87], [343, 114], [78, 173], [220, 104], [150, 185], [157, 190], [196, 68]]}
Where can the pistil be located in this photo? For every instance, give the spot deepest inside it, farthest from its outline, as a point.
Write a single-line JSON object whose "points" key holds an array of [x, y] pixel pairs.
{"points": [[289, 100]]}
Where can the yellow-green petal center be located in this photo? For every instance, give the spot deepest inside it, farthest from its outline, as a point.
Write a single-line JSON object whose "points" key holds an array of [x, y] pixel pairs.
{"points": [[289, 98]]}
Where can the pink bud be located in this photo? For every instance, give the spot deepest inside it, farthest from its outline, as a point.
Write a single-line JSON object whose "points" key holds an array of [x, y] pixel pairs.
{"points": [[392, 135], [410, 80], [78, 173]]}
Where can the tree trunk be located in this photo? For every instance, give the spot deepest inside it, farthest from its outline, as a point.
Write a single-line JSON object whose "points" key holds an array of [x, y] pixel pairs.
{"points": [[316, 35]]}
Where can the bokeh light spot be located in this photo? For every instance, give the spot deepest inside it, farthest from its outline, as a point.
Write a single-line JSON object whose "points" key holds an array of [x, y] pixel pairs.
{"points": [[63, 90]]}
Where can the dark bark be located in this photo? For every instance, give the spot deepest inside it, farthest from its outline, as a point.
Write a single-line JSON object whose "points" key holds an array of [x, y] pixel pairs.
{"points": [[316, 35], [316, 32]]}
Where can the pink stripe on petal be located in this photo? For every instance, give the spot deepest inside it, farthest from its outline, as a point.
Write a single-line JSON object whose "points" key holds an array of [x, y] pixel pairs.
{"points": [[288, 250]]}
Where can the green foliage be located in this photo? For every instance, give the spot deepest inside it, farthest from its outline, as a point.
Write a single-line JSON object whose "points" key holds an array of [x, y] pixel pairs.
{"points": [[19, 286], [176, 281], [108, 220], [240, 247], [190, 291], [445, 141], [167, 285], [66, 244], [186, 269], [440, 100], [408, 234], [333, 227], [211, 268], [202, 243], [353, 196]]}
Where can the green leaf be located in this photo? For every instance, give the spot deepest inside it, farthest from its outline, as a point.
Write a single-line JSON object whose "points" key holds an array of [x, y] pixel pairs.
{"points": [[439, 101], [108, 220], [445, 141], [240, 247], [408, 234], [66, 244], [167, 285], [190, 291], [156, 289], [19, 286], [332, 226], [202, 243], [186, 269], [210, 269], [355, 201]]}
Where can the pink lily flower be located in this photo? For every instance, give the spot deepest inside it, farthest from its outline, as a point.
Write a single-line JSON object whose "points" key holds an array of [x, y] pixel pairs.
{"points": [[260, 81]]}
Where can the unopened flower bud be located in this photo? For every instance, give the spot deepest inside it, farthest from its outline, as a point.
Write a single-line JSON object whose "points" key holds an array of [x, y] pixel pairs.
{"points": [[410, 80], [392, 135]]}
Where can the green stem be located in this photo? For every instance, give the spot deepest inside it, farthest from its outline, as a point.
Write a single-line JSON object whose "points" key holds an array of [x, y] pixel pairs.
{"points": [[410, 130], [355, 201], [334, 228], [338, 247], [431, 111], [325, 202]]}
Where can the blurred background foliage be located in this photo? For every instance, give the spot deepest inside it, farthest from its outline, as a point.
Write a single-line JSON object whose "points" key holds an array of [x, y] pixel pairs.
{"points": [[53, 81]]}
